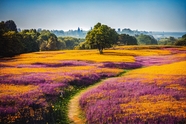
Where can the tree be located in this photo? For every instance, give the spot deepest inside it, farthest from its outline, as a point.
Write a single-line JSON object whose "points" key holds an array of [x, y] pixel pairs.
{"points": [[47, 40], [127, 39], [167, 41], [181, 41], [68, 42], [3, 28], [146, 40], [184, 36], [82, 46], [30, 40], [11, 26], [101, 36], [61, 44], [11, 44], [52, 43]]}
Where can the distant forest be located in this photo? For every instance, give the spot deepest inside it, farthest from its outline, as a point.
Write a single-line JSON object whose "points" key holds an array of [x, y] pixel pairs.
{"points": [[14, 41], [80, 33]]}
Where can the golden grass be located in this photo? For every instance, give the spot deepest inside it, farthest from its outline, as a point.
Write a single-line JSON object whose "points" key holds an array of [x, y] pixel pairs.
{"points": [[73, 69], [138, 47], [13, 90], [165, 105], [177, 68], [84, 55]]}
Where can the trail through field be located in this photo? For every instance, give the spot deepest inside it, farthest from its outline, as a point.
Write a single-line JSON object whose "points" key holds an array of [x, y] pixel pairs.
{"points": [[74, 112]]}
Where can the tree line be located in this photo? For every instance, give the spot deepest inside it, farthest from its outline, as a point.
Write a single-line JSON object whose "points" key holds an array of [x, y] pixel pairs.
{"points": [[100, 37], [13, 42], [103, 36]]}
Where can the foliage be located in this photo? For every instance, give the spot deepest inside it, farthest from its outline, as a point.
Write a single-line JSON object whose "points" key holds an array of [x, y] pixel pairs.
{"points": [[61, 45], [146, 40], [127, 39], [36, 87], [69, 42], [182, 41], [167, 41], [11, 44], [47, 41], [82, 46], [184, 36], [29, 38], [11, 26], [29, 92], [101, 36]]}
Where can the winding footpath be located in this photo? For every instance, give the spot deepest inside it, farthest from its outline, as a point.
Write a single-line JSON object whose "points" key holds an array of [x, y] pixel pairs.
{"points": [[74, 111]]}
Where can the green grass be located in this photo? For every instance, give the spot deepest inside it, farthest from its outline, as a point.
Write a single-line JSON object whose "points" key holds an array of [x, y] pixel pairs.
{"points": [[58, 113]]}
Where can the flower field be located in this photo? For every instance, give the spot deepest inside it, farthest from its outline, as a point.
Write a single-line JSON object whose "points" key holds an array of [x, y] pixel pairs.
{"points": [[153, 94], [33, 88], [31, 84]]}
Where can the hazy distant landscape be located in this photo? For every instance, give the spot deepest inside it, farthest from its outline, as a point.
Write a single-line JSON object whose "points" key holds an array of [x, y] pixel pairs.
{"points": [[92, 62], [82, 33]]}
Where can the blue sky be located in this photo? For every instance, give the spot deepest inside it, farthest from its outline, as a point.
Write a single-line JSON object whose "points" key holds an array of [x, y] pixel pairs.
{"points": [[149, 15]]}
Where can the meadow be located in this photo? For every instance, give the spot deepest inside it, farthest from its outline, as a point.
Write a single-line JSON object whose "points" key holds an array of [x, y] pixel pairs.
{"points": [[148, 85]]}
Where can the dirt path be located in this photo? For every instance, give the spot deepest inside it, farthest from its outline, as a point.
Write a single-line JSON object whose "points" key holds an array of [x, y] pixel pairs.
{"points": [[74, 111]]}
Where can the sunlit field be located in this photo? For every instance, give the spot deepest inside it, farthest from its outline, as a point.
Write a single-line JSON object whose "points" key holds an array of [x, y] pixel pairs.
{"points": [[155, 94], [149, 85]]}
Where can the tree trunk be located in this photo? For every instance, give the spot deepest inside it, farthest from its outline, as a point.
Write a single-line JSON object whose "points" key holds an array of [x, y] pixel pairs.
{"points": [[101, 51], [100, 48]]}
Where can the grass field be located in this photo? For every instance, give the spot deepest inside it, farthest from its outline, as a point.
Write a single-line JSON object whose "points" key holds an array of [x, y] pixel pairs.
{"points": [[36, 87]]}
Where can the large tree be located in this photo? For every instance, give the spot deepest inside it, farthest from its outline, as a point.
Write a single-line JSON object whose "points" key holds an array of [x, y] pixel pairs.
{"points": [[11, 26], [101, 36]]}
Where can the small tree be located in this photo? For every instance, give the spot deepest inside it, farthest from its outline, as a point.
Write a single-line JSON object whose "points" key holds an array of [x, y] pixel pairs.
{"points": [[101, 36]]}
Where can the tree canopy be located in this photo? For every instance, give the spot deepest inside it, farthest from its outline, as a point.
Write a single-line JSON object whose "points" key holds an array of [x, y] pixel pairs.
{"points": [[181, 41], [101, 36], [47, 41], [167, 41], [146, 40], [10, 25], [127, 39]]}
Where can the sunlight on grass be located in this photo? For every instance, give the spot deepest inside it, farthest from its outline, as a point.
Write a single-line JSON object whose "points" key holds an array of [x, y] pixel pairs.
{"points": [[85, 55], [31, 83], [165, 105], [6, 89], [49, 71], [177, 68]]}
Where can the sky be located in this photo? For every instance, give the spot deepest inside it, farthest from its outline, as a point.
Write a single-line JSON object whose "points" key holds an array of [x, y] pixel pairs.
{"points": [[142, 15]]}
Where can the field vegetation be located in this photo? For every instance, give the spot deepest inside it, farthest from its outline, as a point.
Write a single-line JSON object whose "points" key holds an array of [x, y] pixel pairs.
{"points": [[36, 87], [47, 83]]}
